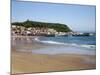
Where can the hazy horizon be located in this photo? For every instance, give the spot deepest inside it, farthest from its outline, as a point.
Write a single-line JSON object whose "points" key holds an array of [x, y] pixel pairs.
{"points": [[79, 18]]}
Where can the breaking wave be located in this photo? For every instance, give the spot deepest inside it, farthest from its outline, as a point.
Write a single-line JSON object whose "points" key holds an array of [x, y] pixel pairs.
{"points": [[68, 44]]}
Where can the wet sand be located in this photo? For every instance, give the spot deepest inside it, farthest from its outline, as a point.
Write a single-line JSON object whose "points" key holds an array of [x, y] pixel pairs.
{"points": [[27, 62]]}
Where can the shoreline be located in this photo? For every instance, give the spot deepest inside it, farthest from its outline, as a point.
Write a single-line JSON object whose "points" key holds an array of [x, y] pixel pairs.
{"points": [[28, 62], [34, 45]]}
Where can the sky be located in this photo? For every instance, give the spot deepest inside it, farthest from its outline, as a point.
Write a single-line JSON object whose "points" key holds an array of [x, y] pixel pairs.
{"points": [[79, 18]]}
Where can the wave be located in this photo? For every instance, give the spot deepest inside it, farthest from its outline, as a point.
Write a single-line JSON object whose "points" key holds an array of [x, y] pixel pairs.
{"points": [[36, 39], [68, 44], [49, 42], [83, 45], [89, 46]]}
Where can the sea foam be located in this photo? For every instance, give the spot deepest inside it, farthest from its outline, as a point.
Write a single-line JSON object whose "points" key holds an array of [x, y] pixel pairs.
{"points": [[67, 44]]}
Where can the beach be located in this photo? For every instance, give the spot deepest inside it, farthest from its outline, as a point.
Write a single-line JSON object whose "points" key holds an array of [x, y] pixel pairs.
{"points": [[25, 60]]}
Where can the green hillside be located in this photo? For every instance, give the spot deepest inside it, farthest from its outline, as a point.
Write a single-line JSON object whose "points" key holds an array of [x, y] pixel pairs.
{"points": [[57, 26]]}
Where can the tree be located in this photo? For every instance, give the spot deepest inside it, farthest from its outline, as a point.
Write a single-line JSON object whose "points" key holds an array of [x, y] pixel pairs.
{"points": [[57, 26]]}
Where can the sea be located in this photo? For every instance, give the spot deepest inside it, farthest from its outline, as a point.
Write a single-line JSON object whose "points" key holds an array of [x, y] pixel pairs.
{"points": [[68, 44]]}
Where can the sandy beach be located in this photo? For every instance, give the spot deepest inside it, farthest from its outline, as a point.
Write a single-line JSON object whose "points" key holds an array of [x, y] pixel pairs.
{"points": [[24, 61]]}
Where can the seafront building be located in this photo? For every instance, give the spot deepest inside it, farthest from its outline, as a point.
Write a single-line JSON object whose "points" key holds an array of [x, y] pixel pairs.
{"points": [[20, 30], [36, 31]]}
